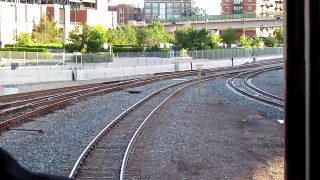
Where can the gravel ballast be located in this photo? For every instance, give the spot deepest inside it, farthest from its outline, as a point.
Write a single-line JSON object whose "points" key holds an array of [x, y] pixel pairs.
{"points": [[209, 132], [271, 82], [68, 131]]}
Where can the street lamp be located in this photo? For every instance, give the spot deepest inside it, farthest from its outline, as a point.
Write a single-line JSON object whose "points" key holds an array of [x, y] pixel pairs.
{"points": [[45, 27], [15, 32], [206, 24], [244, 26]]}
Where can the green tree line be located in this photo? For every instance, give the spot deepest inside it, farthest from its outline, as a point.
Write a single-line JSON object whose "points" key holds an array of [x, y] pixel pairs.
{"points": [[150, 36]]}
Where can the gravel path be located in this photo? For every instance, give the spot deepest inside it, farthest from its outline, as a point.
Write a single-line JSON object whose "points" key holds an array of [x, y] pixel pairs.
{"points": [[68, 131], [271, 82], [209, 132]]}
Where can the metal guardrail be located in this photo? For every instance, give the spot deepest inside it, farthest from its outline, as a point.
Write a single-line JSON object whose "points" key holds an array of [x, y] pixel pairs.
{"points": [[218, 17], [57, 61]]}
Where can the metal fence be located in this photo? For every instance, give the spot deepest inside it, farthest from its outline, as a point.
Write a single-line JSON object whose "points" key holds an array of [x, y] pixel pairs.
{"points": [[11, 60]]}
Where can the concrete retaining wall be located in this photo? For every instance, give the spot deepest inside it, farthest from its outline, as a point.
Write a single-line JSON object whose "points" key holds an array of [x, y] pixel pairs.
{"points": [[227, 62], [34, 76], [88, 74]]}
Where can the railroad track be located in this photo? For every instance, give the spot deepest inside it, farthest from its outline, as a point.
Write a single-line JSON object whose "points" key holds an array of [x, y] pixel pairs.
{"points": [[242, 85], [107, 155], [17, 108]]}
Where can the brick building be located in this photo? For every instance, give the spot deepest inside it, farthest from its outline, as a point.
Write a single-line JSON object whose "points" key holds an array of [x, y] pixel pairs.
{"points": [[238, 6], [126, 13]]}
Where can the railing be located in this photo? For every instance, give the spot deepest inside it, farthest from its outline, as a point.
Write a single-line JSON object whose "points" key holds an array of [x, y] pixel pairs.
{"points": [[10, 60], [217, 17]]}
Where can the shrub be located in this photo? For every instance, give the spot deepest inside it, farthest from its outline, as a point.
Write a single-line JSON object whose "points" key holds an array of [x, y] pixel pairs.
{"points": [[123, 49], [22, 49]]}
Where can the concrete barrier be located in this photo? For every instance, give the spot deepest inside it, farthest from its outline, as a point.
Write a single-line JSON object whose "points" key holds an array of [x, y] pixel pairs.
{"points": [[34, 76], [89, 74], [227, 62]]}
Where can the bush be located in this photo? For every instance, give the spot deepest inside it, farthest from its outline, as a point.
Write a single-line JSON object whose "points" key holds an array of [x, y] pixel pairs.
{"points": [[122, 49], [22, 49], [73, 48], [94, 58], [207, 48], [9, 45], [45, 46]]}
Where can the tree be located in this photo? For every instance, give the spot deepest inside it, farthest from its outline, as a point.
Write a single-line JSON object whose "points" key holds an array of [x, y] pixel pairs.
{"points": [[93, 36], [256, 41], [46, 31], [97, 38], [269, 41], [278, 34], [123, 35], [215, 39], [154, 34], [191, 38], [246, 41], [229, 36], [24, 39]]}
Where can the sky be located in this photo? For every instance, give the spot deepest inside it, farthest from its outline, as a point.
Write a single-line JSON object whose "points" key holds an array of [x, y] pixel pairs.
{"points": [[212, 6]]}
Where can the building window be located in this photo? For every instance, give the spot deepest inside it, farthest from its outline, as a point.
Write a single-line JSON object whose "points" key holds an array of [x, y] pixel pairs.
{"points": [[249, 1], [155, 9], [249, 8], [177, 9], [147, 5], [227, 9], [162, 10], [147, 11], [227, 1], [169, 10]]}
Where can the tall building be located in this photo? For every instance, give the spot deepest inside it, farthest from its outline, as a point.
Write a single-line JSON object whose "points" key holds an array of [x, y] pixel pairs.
{"points": [[269, 7], [166, 9], [259, 8], [18, 16], [127, 12], [238, 6]]}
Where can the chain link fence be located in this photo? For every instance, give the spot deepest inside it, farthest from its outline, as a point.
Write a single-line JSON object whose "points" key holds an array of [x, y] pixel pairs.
{"points": [[11, 60]]}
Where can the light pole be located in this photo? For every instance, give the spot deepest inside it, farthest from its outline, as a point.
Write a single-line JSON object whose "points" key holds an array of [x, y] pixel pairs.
{"points": [[15, 32], [45, 27], [244, 26]]}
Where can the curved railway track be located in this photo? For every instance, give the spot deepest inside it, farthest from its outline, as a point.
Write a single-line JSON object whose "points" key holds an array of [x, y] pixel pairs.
{"points": [[112, 142], [107, 155], [242, 85], [17, 108]]}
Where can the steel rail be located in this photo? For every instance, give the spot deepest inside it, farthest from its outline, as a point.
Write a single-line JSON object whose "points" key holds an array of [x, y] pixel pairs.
{"points": [[69, 100], [230, 82], [259, 90], [144, 123], [110, 125], [117, 119], [9, 99]]}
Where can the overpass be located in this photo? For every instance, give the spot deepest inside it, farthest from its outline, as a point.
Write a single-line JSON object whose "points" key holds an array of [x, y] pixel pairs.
{"points": [[222, 24]]}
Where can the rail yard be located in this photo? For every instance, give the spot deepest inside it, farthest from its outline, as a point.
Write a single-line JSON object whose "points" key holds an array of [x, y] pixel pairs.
{"points": [[222, 123]]}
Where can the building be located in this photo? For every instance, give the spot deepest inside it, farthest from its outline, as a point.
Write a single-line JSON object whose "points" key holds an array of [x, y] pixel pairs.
{"points": [[238, 6], [156, 9], [18, 16], [127, 12], [256, 8], [270, 7]]}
